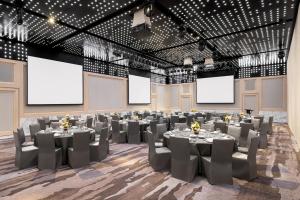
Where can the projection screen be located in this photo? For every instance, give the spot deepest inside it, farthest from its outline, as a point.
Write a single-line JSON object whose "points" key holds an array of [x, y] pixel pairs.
{"points": [[139, 90], [215, 89], [53, 83]]}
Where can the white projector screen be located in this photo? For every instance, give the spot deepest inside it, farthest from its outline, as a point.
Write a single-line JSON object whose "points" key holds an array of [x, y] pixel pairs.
{"points": [[215, 89], [53, 83], [139, 90]]}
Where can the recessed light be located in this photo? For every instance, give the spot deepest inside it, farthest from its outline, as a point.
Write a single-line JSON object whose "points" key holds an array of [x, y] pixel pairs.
{"points": [[51, 20]]}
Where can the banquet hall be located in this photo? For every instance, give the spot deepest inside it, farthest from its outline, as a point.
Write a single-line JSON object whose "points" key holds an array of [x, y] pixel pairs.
{"points": [[149, 99]]}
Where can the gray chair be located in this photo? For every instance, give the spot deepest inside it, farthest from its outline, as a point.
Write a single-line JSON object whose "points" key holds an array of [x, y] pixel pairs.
{"points": [[180, 126], [182, 119], [25, 156], [184, 166], [200, 119], [222, 126], [99, 149], [270, 130], [89, 122], [49, 156], [149, 118], [218, 167], [261, 119], [42, 123], [115, 117], [117, 135], [23, 138], [79, 154], [174, 119], [263, 138], [208, 127], [244, 133], [158, 137], [134, 136], [73, 121], [189, 120], [243, 165], [153, 124], [256, 124], [159, 158], [245, 149], [234, 132], [34, 129], [55, 125]]}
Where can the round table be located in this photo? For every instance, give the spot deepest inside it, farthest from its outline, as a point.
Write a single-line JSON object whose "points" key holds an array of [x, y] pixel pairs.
{"points": [[200, 144], [65, 140]]}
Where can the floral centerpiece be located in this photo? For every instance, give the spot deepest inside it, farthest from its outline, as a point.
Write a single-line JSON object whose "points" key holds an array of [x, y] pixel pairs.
{"points": [[195, 126], [65, 123], [194, 110], [227, 118], [242, 114]]}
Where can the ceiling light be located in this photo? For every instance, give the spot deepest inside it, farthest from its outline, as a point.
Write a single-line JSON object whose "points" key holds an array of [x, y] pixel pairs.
{"points": [[19, 16], [51, 20]]}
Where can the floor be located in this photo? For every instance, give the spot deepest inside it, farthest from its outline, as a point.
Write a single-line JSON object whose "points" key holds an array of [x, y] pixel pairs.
{"points": [[125, 174]]}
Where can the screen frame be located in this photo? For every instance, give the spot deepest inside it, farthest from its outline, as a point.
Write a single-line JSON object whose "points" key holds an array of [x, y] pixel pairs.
{"points": [[212, 102], [62, 104], [128, 91]]}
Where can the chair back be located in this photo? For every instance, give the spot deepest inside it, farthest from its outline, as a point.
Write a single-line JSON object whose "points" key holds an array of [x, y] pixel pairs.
{"points": [[89, 122], [21, 135], [256, 123], [252, 150], [189, 120], [46, 142], [160, 130], [208, 127], [208, 117], [103, 136], [251, 135], [18, 143], [261, 119], [271, 118], [234, 132], [222, 151], [200, 119], [101, 118], [153, 124], [151, 142], [115, 117], [186, 114], [174, 119], [55, 125], [264, 128], [81, 141], [115, 126], [73, 121], [222, 126], [180, 126], [133, 128], [34, 128], [180, 148], [198, 114], [42, 123], [245, 127], [99, 126]]}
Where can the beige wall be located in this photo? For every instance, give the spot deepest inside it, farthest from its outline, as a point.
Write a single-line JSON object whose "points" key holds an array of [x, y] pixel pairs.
{"points": [[293, 72]]}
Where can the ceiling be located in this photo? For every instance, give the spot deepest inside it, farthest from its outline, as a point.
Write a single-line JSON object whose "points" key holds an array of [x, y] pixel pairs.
{"points": [[231, 27]]}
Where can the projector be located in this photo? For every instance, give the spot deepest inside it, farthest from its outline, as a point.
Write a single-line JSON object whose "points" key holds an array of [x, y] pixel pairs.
{"points": [[141, 25]]}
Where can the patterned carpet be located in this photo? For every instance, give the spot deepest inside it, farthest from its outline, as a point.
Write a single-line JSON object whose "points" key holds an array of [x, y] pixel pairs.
{"points": [[126, 175]]}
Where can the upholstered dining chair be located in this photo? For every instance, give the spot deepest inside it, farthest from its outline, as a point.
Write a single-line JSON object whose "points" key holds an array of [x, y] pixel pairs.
{"points": [[89, 122], [79, 154], [208, 127], [174, 119], [218, 167], [184, 166], [73, 121], [270, 130], [245, 149], [153, 128], [25, 156], [115, 117], [159, 158], [245, 127], [42, 123], [182, 119], [222, 126], [189, 120], [117, 135], [200, 119], [261, 119], [263, 138], [49, 157], [243, 165], [256, 124], [33, 129], [234, 132], [99, 149], [180, 126], [55, 125], [134, 136], [23, 138]]}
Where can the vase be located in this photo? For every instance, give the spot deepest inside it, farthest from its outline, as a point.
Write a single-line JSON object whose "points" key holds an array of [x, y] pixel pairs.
{"points": [[196, 132]]}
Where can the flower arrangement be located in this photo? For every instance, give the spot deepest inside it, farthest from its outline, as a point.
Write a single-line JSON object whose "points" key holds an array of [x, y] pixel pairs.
{"points": [[227, 118], [194, 110], [195, 126], [65, 123], [242, 114]]}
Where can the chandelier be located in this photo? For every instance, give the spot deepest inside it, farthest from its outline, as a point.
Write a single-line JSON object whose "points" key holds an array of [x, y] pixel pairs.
{"points": [[10, 29]]}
